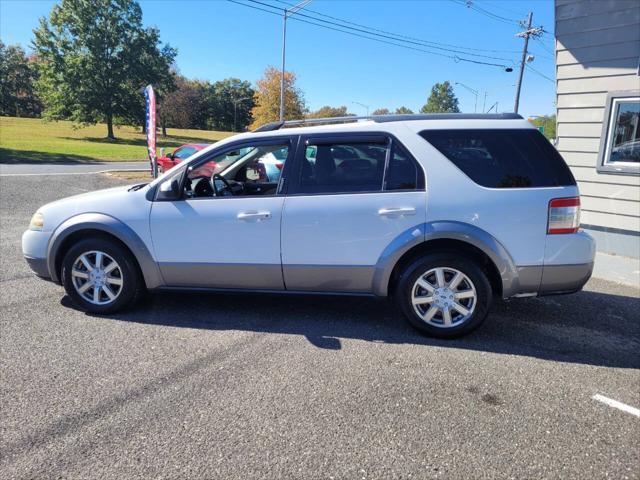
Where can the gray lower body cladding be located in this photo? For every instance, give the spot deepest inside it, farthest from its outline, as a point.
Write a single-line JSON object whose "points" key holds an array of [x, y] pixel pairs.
{"points": [[551, 279]]}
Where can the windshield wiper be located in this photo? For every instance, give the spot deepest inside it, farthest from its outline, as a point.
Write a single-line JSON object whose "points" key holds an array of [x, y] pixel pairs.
{"points": [[137, 186]]}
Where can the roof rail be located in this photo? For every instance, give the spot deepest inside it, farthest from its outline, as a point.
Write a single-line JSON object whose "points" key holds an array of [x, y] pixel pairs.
{"points": [[268, 127]]}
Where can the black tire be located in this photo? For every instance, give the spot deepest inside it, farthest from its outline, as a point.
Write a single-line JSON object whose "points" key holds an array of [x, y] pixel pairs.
{"points": [[132, 283], [452, 260]]}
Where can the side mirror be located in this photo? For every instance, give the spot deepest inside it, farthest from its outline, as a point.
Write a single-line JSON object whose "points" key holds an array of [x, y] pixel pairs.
{"points": [[169, 190], [170, 156]]}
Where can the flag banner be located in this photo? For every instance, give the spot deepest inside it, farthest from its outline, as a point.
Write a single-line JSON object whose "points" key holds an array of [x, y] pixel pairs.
{"points": [[150, 119]]}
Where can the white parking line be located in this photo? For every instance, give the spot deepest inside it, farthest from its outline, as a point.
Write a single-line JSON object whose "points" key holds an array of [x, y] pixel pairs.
{"points": [[72, 173], [616, 404]]}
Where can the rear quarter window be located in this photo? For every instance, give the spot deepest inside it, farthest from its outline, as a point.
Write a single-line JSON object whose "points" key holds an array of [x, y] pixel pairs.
{"points": [[503, 158]]}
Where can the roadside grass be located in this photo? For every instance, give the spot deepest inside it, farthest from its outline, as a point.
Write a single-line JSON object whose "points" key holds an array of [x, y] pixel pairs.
{"points": [[129, 176], [32, 140]]}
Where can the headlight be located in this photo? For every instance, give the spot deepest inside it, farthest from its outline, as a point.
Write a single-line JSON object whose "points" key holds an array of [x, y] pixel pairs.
{"points": [[37, 221]]}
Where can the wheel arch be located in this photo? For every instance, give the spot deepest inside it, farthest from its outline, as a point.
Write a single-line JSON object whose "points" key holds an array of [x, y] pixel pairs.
{"points": [[104, 226], [447, 236]]}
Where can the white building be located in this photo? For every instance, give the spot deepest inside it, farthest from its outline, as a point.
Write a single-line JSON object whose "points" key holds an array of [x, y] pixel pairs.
{"points": [[598, 108]]}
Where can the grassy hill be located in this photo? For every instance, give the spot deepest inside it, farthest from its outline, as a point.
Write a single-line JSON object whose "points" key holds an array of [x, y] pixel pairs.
{"points": [[31, 140]]}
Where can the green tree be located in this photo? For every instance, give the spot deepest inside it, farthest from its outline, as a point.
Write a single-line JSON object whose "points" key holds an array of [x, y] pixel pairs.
{"points": [[17, 77], [381, 111], [229, 104], [403, 111], [330, 112], [441, 100], [94, 57], [267, 98], [548, 122]]}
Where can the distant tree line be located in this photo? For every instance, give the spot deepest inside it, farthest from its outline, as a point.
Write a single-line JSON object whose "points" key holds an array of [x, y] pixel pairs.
{"points": [[92, 58]]}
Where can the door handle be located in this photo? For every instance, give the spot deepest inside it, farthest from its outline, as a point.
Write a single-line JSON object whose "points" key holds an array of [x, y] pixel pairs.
{"points": [[396, 211], [254, 215]]}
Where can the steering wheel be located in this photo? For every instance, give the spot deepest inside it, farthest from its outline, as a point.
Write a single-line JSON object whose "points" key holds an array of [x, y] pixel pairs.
{"points": [[227, 185]]}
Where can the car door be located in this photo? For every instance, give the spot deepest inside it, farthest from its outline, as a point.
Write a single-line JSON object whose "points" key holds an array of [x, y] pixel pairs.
{"points": [[224, 241], [349, 196]]}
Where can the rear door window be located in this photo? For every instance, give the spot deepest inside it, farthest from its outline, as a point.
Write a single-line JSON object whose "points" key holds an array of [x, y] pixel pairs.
{"points": [[503, 158]]}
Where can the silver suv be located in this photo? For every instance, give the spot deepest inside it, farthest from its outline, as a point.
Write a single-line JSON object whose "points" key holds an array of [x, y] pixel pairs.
{"points": [[440, 212]]}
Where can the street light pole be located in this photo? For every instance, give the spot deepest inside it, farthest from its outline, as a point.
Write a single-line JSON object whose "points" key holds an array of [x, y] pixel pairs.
{"points": [[235, 108], [285, 15], [475, 92], [363, 106]]}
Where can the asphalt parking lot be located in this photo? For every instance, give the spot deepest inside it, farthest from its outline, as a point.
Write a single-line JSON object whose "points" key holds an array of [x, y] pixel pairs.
{"points": [[264, 386]]}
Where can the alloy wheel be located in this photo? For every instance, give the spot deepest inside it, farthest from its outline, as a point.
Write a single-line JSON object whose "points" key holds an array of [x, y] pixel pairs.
{"points": [[444, 297], [97, 277]]}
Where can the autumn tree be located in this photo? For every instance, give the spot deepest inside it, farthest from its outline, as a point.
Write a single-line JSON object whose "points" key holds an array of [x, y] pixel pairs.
{"points": [[330, 112], [267, 98], [403, 111], [548, 124], [17, 76], [441, 100], [182, 108], [94, 57]]}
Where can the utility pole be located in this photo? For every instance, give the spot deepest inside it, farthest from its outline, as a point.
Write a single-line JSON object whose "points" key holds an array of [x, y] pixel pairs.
{"points": [[287, 12], [484, 102], [526, 34]]}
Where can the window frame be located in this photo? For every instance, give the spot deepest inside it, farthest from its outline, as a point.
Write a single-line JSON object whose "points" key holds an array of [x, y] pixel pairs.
{"points": [[293, 184], [290, 140], [604, 165]]}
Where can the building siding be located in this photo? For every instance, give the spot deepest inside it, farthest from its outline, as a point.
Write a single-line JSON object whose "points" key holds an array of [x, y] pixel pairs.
{"points": [[597, 52]]}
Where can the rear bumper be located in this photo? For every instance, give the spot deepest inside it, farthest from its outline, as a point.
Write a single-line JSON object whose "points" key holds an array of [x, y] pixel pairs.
{"points": [[557, 279], [568, 265], [38, 265]]}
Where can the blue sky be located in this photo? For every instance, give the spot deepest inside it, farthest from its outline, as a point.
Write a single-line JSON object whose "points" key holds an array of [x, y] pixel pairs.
{"points": [[218, 39]]}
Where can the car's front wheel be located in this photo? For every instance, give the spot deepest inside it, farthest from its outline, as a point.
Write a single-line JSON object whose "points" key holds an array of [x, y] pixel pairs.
{"points": [[100, 276], [444, 295]]}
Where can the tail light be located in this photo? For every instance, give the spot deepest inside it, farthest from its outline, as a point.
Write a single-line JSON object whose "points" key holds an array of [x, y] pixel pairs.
{"points": [[280, 166], [564, 215]]}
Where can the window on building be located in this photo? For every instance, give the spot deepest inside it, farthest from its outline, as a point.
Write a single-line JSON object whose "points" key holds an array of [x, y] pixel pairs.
{"points": [[620, 146]]}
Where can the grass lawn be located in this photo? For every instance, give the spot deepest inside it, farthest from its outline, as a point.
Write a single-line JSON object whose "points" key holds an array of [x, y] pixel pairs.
{"points": [[31, 140]]}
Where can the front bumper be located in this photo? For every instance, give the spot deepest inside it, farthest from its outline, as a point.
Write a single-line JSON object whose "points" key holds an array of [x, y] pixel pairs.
{"points": [[38, 265], [34, 249]]}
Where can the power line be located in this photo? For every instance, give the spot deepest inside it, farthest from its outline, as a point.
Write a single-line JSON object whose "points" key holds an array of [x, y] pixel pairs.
{"points": [[473, 6], [455, 58], [540, 74], [544, 46], [426, 42], [505, 9], [388, 37]]}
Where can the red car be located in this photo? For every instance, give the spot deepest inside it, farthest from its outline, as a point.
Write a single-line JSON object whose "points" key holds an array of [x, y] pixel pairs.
{"points": [[181, 153]]}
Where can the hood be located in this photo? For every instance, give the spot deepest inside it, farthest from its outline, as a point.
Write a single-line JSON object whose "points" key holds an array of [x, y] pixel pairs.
{"points": [[117, 202]]}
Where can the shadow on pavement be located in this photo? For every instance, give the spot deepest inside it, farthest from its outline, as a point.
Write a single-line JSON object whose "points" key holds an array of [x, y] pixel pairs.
{"points": [[10, 156], [587, 327]]}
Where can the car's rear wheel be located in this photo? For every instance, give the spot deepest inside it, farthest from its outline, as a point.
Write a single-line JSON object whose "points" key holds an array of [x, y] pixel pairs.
{"points": [[100, 276], [444, 295]]}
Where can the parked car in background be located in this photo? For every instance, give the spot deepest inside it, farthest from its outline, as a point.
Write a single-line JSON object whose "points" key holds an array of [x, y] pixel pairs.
{"points": [[167, 162], [441, 212]]}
